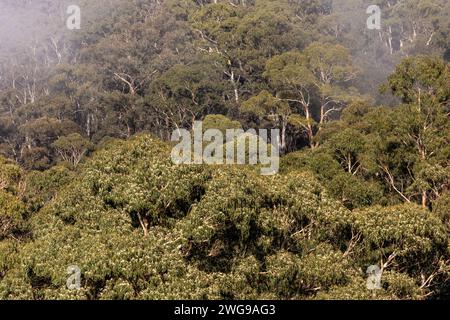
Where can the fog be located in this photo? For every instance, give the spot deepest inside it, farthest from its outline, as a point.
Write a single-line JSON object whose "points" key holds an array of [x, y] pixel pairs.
{"points": [[23, 22], [28, 24]]}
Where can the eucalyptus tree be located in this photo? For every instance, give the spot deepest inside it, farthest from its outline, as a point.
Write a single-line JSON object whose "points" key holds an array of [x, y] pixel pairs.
{"points": [[315, 81]]}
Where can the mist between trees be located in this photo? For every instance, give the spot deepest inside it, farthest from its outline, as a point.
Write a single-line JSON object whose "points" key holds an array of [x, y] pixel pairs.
{"points": [[87, 180]]}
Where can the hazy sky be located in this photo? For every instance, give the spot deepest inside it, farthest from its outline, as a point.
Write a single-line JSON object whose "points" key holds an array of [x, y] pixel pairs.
{"points": [[24, 20]]}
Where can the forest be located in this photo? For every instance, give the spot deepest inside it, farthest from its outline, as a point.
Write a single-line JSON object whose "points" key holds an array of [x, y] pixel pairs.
{"points": [[86, 177]]}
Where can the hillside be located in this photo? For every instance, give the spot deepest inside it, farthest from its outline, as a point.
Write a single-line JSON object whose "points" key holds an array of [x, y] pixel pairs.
{"points": [[214, 233], [88, 183]]}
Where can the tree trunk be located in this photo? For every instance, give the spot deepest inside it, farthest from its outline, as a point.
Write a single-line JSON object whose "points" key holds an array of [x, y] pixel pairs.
{"points": [[310, 129], [424, 199], [143, 224], [283, 134], [236, 91]]}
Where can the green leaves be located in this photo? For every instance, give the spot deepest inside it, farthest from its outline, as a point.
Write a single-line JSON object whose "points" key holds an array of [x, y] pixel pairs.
{"points": [[10, 175], [420, 80], [72, 148], [265, 105], [406, 229], [330, 63], [12, 215], [289, 275], [140, 227]]}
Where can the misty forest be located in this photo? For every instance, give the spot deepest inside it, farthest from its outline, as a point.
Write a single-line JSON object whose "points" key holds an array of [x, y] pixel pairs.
{"points": [[87, 180]]}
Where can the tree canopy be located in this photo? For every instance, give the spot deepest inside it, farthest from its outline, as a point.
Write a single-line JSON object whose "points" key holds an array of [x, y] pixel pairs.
{"points": [[87, 180]]}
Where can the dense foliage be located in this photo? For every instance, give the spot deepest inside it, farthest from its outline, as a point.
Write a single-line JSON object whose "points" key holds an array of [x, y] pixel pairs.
{"points": [[141, 227], [86, 177]]}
